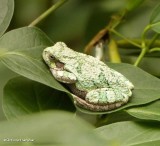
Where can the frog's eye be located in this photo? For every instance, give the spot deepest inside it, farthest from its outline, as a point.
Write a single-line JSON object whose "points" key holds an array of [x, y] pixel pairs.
{"points": [[51, 57]]}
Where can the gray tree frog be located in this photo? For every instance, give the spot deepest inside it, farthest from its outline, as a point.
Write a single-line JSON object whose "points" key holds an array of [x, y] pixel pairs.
{"points": [[95, 86]]}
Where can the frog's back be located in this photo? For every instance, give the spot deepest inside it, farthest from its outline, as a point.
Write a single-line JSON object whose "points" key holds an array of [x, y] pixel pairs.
{"points": [[90, 72], [86, 67], [93, 64]]}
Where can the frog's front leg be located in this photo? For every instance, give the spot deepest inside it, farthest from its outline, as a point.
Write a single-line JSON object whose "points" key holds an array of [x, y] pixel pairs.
{"points": [[107, 96], [63, 76]]}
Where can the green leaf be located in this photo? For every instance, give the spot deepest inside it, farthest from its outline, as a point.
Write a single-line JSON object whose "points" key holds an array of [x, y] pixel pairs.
{"points": [[23, 55], [23, 96], [50, 128], [6, 12], [114, 117], [155, 16], [22, 52], [133, 4], [149, 64], [155, 19], [150, 111], [131, 134]]}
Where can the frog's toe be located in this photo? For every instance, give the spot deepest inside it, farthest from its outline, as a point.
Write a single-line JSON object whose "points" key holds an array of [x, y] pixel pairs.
{"points": [[124, 91], [129, 84], [125, 83]]}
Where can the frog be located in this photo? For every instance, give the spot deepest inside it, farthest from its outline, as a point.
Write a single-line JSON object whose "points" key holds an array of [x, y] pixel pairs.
{"points": [[94, 85]]}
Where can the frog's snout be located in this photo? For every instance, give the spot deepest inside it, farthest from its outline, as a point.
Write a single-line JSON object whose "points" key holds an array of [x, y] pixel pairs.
{"points": [[45, 55]]}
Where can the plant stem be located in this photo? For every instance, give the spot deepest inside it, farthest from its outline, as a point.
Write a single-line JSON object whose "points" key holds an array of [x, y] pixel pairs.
{"points": [[144, 32], [153, 40], [46, 13], [128, 40], [126, 44], [143, 52], [154, 49], [143, 46]]}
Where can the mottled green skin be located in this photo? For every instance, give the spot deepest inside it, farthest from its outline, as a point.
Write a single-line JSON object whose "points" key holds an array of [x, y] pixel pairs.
{"points": [[106, 88]]}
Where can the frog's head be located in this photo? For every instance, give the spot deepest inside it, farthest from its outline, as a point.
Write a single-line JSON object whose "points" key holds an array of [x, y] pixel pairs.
{"points": [[57, 53]]}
